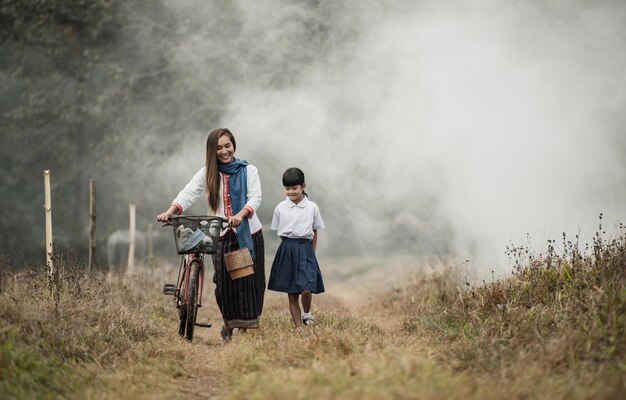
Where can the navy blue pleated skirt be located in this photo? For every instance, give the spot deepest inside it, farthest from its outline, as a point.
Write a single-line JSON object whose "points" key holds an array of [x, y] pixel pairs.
{"points": [[295, 268]]}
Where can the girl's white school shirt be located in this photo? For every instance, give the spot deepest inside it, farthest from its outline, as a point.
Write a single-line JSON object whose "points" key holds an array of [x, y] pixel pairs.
{"points": [[297, 220], [197, 186]]}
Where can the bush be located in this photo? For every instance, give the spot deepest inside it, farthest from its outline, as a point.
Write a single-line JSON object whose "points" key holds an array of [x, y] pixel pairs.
{"points": [[560, 310]]}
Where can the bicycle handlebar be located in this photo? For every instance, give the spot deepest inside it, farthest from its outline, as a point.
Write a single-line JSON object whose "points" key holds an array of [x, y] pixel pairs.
{"points": [[196, 218]]}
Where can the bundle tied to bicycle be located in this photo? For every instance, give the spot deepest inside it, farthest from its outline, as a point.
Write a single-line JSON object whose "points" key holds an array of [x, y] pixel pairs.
{"points": [[189, 240], [201, 236]]}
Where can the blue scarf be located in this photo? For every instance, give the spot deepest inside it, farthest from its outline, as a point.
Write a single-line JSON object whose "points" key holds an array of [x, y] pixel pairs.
{"points": [[238, 190]]}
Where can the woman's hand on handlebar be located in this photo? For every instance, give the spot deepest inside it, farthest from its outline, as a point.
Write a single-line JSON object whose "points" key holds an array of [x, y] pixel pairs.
{"points": [[164, 217]]}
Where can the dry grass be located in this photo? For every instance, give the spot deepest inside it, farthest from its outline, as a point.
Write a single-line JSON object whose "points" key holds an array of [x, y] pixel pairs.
{"points": [[560, 319], [554, 329], [97, 332]]}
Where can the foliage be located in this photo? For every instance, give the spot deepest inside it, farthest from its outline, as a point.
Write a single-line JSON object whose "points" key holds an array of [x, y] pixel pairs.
{"points": [[75, 75], [562, 311]]}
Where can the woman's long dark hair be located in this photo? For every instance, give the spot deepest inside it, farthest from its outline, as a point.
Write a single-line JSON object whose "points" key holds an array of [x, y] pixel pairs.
{"points": [[212, 175]]}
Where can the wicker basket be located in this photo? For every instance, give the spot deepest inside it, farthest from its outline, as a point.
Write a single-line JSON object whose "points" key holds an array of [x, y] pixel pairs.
{"points": [[239, 263]]}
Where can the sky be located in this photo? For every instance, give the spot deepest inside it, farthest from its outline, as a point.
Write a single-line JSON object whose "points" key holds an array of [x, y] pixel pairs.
{"points": [[498, 120]]}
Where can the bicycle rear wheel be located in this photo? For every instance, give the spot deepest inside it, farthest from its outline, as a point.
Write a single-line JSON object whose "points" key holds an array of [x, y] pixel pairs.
{"points": [[192, 299]]}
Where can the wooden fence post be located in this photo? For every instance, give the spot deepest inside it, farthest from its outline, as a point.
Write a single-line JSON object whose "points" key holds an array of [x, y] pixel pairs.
{"points": [[92, 224], [48, 213], [150, 246], [131, 241]]}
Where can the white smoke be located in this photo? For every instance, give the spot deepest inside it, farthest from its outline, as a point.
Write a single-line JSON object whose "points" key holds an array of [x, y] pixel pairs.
{"points": [[505, 114]]}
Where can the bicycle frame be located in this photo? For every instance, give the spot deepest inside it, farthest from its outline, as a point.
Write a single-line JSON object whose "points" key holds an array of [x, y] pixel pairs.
{"points": [[183, 277]]}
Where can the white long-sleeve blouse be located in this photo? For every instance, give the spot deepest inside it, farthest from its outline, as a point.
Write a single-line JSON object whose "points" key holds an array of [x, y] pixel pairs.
{"points": [[197, 186]]}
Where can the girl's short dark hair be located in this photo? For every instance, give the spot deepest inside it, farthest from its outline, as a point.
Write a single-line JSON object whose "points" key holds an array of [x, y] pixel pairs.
{"points": [[293, 176]]}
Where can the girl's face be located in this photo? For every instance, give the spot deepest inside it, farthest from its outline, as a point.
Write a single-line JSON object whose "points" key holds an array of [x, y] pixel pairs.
{"points": [[295, 193], [225, 150]]}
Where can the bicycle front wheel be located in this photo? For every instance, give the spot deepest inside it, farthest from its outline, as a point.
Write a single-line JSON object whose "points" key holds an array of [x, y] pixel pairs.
{"points": [[182, 318], [192, 299]]}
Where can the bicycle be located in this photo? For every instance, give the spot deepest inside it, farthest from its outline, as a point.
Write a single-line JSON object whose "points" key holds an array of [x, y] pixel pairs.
{"points": [[194, 236]]}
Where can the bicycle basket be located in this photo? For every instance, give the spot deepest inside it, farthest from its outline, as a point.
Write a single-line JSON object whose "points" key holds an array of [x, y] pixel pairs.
{"points": [[196, 234]]}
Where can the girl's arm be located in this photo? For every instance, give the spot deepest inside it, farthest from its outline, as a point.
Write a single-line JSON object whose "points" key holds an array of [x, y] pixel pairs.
{"points": [[317, 224], [314, 241]]}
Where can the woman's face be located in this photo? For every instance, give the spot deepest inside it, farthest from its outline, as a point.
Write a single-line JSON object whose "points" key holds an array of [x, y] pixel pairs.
{"points": [[225, 150]]}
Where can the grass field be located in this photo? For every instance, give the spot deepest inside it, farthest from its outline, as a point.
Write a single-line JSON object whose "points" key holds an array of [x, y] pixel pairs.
{"points": [[396, 328]]}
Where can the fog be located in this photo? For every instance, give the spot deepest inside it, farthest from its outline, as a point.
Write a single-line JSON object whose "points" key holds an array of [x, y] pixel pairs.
{"points": [[472, 123]]}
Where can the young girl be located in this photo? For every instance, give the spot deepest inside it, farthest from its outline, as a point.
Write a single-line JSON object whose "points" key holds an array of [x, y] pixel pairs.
{"points": [[295, 270]]}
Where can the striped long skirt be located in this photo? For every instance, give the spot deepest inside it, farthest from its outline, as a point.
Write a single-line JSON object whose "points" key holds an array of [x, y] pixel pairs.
{"points": [[240, 300]]}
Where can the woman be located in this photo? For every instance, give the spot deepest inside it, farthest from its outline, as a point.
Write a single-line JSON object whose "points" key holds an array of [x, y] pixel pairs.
{"points": [[234, 192]]}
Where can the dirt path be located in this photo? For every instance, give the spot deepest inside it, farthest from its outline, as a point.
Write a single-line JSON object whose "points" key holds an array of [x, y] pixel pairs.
{"points": [[354, 293], [206, 380]]}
